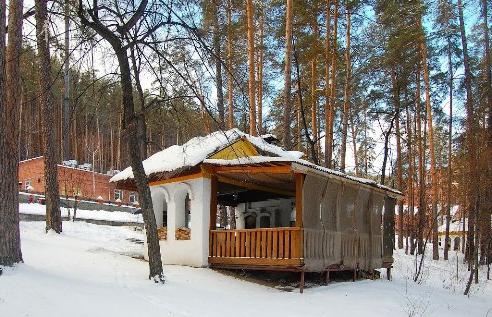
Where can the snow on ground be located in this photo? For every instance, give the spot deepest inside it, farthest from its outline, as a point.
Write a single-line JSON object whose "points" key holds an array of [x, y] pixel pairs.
{"points": [[117, 216], [88, 271]]}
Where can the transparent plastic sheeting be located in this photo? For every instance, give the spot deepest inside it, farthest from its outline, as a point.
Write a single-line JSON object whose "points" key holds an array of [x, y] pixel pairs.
{"points": [[342, 225]]}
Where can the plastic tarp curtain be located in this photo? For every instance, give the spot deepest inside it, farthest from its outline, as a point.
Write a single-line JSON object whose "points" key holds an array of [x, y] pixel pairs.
{"points": [[311, 218], [329, 205], [342, 224], [388, 229], [311, 198], [375, 227]]}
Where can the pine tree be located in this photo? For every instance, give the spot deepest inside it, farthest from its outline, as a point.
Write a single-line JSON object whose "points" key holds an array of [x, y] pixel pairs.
{"points": [[287, 75], [53, 212], [251, 67], [346, 99], [10, 249]]}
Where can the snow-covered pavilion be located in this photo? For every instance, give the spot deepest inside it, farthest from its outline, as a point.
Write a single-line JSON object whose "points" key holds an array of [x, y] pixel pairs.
{"points": [[290, 214]]}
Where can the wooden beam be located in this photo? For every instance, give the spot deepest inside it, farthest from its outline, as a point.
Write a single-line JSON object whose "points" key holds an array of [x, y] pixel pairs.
{"points": [[254, 186], [272, 268], [249, 169], [213, 202], [299, 186], [177, 179], [254, 261]]}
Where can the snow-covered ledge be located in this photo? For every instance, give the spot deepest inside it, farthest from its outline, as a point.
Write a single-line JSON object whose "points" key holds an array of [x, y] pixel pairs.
{"points": [[193, 252]]}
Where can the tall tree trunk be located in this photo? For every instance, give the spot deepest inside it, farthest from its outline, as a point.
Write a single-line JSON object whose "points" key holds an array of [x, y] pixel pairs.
{"points": [[66, 85], [111, 151], [346, 99], [20, 128], [366, 141], [141, 122], [131, 133], [410, 227], [472, 156], [327, 81], [287, 75], [10, 249], [207, 127], [421, 166], [118, 142], [251, 67], [75, 138], [260, 72], [301, 116], [298, 119], [218, 65], [428, 107], [447, 242], [486, 240], [145, 200], [399, 179], [53, 213], [230, 92], [331, 115], [387, 136], [399, 164], [354, 131], [314, 99], [314, 90]]}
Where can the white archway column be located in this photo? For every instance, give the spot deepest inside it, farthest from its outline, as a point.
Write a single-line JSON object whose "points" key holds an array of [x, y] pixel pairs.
{"points": [[240, 216]]}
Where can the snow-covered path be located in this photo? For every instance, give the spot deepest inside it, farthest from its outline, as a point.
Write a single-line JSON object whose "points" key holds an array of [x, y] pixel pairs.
{"points": [[89, 271]]}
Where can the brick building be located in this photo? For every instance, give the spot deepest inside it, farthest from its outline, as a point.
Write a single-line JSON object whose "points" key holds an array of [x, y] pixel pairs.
{"points": [[73, 181]]}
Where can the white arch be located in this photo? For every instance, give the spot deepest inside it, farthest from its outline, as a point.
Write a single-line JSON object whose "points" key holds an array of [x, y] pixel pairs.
{"points": [[179, 189], [167, 196]]}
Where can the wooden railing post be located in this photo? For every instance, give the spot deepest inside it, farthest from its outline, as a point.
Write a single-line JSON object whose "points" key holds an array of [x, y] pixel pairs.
{"points": [[299, 186], [299, 205], [213, 202]]}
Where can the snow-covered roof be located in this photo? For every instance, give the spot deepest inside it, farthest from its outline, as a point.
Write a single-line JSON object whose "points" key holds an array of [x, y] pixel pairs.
{"points": [[198, 149]]}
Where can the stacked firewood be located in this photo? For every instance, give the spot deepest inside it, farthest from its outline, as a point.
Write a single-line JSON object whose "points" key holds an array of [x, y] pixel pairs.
{"points": [[183, 234], [162, 233]]}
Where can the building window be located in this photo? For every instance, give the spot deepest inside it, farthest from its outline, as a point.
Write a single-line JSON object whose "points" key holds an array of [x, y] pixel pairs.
{"points": [[77, 192], [133, 198], [28, 185], [188, 211], [118, 195], [164, 214]]}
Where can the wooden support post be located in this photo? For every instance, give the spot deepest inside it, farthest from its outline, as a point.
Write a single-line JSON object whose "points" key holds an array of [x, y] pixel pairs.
{"points": [[327, 276], [301, 284], [213, 202], [388, 273], [299, 185]]}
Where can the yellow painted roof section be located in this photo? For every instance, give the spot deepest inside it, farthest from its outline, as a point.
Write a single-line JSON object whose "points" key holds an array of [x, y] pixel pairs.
{"points": [[240, 148]]}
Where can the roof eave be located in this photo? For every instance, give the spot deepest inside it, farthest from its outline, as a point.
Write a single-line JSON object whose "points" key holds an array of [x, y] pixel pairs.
{"points": [[296, 166]]}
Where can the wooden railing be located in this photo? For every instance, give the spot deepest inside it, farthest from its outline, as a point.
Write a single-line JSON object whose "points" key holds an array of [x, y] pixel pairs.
{"points": [[256, 247]]}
